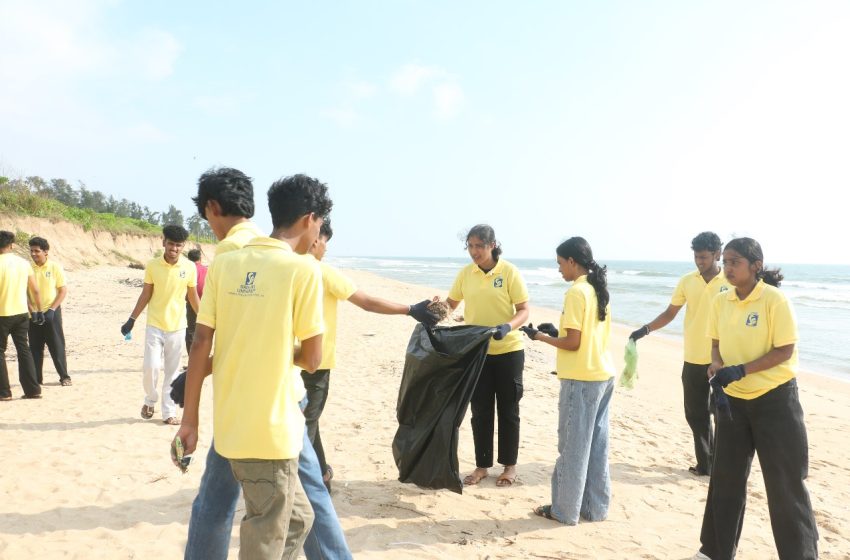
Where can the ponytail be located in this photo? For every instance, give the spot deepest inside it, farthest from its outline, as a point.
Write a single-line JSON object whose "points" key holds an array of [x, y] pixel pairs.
{"points": [[578, 249], [771, 276]]}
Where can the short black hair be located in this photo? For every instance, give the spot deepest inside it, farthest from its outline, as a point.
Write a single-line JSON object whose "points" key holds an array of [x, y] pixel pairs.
{"points": [[175, 233], [297, 195], [326, 231], [194, 255], [40, 242], [231, 188], [6, 238], [706, 241]]}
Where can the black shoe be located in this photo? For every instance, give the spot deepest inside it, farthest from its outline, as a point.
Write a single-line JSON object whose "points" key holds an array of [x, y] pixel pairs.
{"points": [[697, 471]]}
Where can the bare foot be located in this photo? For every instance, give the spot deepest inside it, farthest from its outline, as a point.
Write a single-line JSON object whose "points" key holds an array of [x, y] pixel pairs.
{"points": [[475, 477], [508, 476]]}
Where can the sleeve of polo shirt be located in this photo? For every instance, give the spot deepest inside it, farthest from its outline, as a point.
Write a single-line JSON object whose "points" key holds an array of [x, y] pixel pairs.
{"points": [[206, 313], [193, 275], [337, 284], [148, 274], [784, 323], [714, 315], [456, 292], [517, 288], [307, 320], [678, 299], [574, 306], [60, 276]]}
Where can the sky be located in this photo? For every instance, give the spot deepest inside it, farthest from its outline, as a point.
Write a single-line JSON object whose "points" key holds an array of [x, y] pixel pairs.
{"points": [[633, 124]]}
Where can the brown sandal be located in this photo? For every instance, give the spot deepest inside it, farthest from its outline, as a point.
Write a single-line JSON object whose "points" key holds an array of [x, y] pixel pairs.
{"points": [[171, 421], [147, 412]]}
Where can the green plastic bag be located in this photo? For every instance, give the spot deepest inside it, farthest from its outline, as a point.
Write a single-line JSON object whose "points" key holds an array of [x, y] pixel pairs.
{"points": [[629, 376]]}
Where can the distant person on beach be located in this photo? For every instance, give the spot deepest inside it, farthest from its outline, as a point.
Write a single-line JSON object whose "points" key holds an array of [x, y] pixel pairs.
{"points": [[337, 287], [696, 290], [581, 481], [195, 256], [52, 289], [18, 294], [495, 296], [258, 301], [169, 281], [753, 373], [226, 200]]}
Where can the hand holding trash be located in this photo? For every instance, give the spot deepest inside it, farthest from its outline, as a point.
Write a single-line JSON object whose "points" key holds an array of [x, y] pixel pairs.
{"points": [[548, 328], [421, 313], [502, 331], [530, 331]]}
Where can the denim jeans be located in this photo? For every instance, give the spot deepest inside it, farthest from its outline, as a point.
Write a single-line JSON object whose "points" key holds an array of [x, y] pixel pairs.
{"points": [[581, 482], [214, 507]]}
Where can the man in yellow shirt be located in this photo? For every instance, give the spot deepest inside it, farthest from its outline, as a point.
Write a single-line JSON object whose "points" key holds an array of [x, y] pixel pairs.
{"points": [[17, 283], [696, 290], [169, 281], [257, 301], [337, 287], [51, 285]]}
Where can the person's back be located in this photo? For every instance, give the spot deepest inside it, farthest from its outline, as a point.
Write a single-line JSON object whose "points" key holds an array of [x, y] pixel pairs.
{"points": [[14, 272]]}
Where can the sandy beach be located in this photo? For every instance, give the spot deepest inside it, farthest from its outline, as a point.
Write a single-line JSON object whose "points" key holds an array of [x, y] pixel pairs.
{"points": [[85, 477]]}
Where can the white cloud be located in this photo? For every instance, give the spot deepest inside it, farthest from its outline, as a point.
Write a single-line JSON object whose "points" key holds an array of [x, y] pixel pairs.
{"points": [[216, 104], [410, 78], [448, 100], [361, 89], [343, 116]]}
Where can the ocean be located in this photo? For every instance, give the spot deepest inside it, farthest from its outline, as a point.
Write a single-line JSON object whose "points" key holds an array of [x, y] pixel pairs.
{"points": [[640, 290]]}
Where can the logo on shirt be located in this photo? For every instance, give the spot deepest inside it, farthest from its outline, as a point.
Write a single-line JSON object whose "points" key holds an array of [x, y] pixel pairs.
{"points": [[182, 274], [249, 287], [724, 289], [48, 274], [498, 282], [752, 319]]}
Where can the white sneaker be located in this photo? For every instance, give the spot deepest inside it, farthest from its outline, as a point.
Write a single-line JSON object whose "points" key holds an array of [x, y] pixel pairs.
{"points": [[700, 556]]}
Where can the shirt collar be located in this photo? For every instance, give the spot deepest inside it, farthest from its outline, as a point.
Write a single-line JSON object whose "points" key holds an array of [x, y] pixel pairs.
{"points": [[581, 279], [248, 224], [494, 270], [270, 242], [754, 295]]}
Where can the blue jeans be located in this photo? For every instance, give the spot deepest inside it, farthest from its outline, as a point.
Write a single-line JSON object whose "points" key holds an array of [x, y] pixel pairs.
{"points": [[215, 505], [581, 482]]}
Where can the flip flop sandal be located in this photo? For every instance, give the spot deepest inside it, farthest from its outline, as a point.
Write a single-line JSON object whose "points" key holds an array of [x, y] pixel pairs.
{"points": [[65, 382], [544, 511], [171, 421], [472, 480], [147, 412]]}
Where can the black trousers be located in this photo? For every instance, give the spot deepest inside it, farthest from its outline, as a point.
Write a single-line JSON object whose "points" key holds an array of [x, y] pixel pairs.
{"points": [[499, 388], [191, 320], [771, 425], [17, 326], [698, 412], [317, 386], [52, 335]]}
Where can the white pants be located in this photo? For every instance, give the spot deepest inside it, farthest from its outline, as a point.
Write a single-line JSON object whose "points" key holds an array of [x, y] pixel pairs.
{"points": [[162, 352]]}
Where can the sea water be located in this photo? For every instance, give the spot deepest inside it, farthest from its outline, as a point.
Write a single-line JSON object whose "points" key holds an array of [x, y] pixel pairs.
{"points": [[640, 290]]}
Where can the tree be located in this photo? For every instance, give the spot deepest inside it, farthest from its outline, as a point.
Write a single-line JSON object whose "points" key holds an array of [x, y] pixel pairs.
{"points": [[172, 216], [63, 192], [36, 184]]}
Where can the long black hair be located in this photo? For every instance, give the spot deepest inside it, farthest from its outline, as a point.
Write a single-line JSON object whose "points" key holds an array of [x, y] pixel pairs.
{"points": [[486, 234], [579, 250], [750, 249]]}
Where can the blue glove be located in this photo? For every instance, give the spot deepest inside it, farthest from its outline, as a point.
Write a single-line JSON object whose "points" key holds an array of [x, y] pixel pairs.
{"points": [[640, 333], [48, 315], [728, 374], [178, 389], [529, 331], [421, 313], [502, 331], [128, 326], [548, 328]]}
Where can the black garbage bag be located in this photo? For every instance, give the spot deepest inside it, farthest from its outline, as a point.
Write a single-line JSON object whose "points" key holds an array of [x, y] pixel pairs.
{"points": [[440, 372]]}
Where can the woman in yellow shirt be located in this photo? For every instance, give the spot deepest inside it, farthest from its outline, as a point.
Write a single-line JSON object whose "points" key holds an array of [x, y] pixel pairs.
{"points": [[753, 375], [496, 296], [581, 482]]}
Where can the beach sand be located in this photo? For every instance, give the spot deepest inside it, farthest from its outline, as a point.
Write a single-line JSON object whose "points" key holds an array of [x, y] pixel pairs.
{"points": [[85, 477]]}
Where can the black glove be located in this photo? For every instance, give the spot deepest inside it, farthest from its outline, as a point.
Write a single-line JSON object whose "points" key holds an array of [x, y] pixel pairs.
{"points": [[502, 331], [530, 331], [128, 326], [548, 328], [178, 388], [49, 314], [726, 375], [640, 333], [420, 312], [721, 400], [38, 317]]}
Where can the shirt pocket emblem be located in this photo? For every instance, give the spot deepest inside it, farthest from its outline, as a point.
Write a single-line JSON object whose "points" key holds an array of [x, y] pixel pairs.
{"points": [[752, 319]]}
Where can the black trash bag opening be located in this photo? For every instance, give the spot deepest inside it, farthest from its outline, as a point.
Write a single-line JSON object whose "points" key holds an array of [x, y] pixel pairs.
{"points": [[441, 369]]}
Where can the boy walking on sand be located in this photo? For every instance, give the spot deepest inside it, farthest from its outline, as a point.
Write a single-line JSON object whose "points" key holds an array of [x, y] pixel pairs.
{"points": [[51, 286], [17, 283], [259, 299], [169, 281]]}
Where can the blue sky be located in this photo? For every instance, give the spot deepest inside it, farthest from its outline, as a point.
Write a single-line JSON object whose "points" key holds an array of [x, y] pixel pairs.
{"points": [[633, 124]]}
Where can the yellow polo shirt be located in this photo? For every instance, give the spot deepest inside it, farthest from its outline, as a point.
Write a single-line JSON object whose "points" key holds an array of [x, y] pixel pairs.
{"points": [[336, 287], [694, 291], [751, 328], [49, 277], [491, 299], [238, 236], [592, 361], [167, 309], [14, 281], [258, 300]]}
